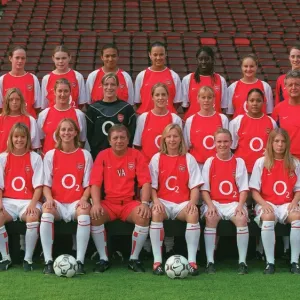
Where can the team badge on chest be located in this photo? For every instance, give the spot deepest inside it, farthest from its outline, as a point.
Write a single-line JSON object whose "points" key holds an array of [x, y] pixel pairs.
{"points": [[131, 166], [181, 168], [120, 118], [27, 168], [29, 87], [80, 166]]}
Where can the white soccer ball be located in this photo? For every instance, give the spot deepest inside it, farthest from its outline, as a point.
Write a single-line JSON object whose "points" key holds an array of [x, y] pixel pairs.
{"points": [[177, 266], [65, 266]]}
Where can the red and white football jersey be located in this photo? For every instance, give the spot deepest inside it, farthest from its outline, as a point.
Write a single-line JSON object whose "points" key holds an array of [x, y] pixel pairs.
{"points": [[67, 174], [190, 90], [287, 117], [78, 91], [199, 134], [149, 130], [144, 83], [7, 122], [281, 92], [237, 97], [49, 119], [95, 90], [20, 175], [225, 179], [277, 186], [250, 136], [118, 174], [29, 86], [174, 176]]}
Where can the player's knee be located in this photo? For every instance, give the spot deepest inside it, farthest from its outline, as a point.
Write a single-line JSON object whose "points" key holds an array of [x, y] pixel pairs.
{"points": [[48, 210], [241, 221], [294, 216], [29, 219], [193, 218], [141, 221], [157, 216], [83, 211], [268, 217], [212, 221]]}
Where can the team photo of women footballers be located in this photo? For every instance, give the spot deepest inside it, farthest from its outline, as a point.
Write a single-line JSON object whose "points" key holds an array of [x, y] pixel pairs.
{"points": [[125, 136]]}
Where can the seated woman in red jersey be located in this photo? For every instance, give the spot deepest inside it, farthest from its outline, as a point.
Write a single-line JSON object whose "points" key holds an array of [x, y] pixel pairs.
{"points": [[50, 117], [287, 113], [110, 57], [21, 184], [204, 76], [158, 72], [275, 186], [124, 166], [200, 128], [294, 58], [176, 178], [18, 78], [238, 91], [67, 171], [224, 192], [250, 131], [150, 125], [14, 111], [61, 58]]}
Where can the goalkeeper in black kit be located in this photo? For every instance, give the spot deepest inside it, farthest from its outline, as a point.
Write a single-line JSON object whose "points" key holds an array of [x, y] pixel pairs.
{"points": [[103, 114]]}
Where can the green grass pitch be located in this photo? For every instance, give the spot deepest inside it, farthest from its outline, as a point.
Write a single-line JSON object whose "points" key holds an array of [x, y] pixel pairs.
{"points": [[120, 283]]}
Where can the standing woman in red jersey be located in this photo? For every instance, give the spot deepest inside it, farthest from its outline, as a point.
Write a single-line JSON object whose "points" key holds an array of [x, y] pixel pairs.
{"points": [[14, 111], [158, 72], [281, 92], [110, 57], [26, 82], [203, 76], [275, 185], [61, 58], [176, 179], [21, 184], [67, 171], [200, 128], [250, 131], [238, 91], [50, 117], [150, 125]]}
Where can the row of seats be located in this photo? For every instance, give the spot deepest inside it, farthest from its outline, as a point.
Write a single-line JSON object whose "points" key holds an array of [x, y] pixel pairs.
{"points": [[272, 51], [148, 16]]}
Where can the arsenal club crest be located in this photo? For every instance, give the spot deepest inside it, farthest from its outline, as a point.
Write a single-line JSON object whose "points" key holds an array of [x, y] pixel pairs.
{"points": [[29, 87], [168, 82], [80, 166], [131, 166], [181, 168], [74, 84], [120, 118], [121, 86], [27, 168], [216, 88]]}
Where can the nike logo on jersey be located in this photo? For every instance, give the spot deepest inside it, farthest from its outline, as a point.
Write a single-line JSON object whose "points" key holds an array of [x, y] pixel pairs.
{"points": [[198, 130], [109, 167], [269, 174], [48, 123], [149, 129], [193, 89], [284, 118], [162, 171], [243, 133]]}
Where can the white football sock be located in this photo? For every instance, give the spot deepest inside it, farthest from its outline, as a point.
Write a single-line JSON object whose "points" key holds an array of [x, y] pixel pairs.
{"points": [[157, 234], [22, 242], [210, 239], [139, 237], [147, 245], [82, 236], [99, 238], [286, 242], [242, 239], [268, 240], [259, 245], [47, 235], [169, 243], [192, 236], [295, 241], [4, 250], [31, 237]]}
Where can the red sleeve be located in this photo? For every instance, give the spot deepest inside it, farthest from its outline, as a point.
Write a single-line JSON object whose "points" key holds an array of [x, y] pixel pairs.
{"points": [[97, 171], [142, 170], [275, 115], [277, 91]]}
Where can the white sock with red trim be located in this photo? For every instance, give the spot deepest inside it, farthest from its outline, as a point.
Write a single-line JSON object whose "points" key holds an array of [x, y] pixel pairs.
{"points": [[31, 237], [82, 236], [47, 235], [242, 239], [139, 236], [4, 250], [192, 236], [268, 240], [157, 234], [295, 241], [99, 238], [210, 240]]}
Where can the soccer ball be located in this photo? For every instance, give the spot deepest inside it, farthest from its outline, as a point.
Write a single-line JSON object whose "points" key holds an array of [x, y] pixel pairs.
{"points": [[65, 266], [177, 266]]}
